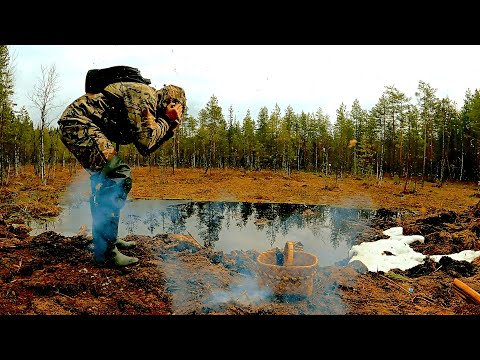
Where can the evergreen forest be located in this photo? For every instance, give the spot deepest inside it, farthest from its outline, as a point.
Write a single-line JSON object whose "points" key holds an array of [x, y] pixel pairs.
{"points": [[428, 137]]}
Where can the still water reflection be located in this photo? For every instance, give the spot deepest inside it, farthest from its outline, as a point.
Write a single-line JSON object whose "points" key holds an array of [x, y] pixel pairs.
{"points": [[328, 232]]}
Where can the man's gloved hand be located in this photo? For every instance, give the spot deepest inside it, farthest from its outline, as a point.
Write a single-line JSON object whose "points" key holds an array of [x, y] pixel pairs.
{"points": [[120, 172]]}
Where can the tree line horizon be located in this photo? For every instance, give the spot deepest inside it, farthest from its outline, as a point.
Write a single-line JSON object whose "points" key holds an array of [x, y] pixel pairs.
{"points": [[425, 137]]}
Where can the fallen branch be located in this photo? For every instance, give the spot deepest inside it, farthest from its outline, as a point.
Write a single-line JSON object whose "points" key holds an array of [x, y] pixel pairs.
{"points": [[394, 283], [59, 293], [241, 294], [195, 240], [426, 298], [466, 292]]}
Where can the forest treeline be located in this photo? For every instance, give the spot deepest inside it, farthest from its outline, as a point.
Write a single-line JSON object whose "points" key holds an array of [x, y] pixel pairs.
{"points": [[424, 137]]}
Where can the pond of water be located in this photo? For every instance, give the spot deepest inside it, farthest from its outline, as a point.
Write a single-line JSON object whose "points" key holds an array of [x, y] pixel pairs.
{"points": [[325, 231]]}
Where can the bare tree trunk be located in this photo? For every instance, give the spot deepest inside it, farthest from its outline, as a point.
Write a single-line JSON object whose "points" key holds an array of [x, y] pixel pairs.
{"points": [[43, 96], [54, 163], [16, 160], [7, 178], [42, 155]]}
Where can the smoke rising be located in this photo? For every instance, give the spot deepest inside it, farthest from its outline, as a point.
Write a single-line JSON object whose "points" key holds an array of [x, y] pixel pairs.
{"points": [[244, 291]]}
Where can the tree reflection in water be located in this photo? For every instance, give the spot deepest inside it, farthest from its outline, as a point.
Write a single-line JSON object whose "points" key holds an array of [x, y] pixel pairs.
{"points": [[210, 216], [132, 222], [152, 220], [260, 226], [328, 232]]}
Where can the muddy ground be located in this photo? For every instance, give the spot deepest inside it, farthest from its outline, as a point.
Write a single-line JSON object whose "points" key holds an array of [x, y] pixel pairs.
{"points": [[50, 274]]}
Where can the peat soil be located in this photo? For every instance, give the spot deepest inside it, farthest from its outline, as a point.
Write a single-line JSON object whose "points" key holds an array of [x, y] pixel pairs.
{"points": [[51, 274]]}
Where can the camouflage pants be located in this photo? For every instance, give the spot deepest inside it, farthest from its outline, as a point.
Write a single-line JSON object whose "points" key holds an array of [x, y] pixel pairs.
{"points": [[87, 143]]}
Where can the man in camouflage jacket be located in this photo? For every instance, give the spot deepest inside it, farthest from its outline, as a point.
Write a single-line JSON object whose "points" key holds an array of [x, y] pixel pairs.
{"points": [[122, 113]]}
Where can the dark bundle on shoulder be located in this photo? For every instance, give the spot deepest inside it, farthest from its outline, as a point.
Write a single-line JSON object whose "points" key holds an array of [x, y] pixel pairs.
{"points": [[97, 79]]}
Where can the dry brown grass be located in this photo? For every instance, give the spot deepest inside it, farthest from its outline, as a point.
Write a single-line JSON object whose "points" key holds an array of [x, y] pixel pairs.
{"points": [[31, 282], [304, 188], [27, 194]]}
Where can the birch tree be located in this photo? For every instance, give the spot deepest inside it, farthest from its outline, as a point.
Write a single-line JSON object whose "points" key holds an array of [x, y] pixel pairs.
{"points": [[43, 97]]}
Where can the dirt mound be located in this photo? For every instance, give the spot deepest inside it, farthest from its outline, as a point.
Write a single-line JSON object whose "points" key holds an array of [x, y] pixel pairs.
{"points": [[52, 274]]}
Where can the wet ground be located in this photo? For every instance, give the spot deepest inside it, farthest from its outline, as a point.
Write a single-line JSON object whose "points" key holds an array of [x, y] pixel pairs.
{"points": [[52, 274]]}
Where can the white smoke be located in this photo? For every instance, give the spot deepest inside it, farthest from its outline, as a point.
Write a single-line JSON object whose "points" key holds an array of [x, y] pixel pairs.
{"points": [[246, 291]]}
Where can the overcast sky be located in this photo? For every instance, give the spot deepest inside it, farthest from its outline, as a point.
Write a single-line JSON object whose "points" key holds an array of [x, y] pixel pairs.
{"points": [[248, 77]]}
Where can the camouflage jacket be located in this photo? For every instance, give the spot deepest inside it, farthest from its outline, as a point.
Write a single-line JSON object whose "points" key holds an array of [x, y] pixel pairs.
{"points": [[126, 112]]}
